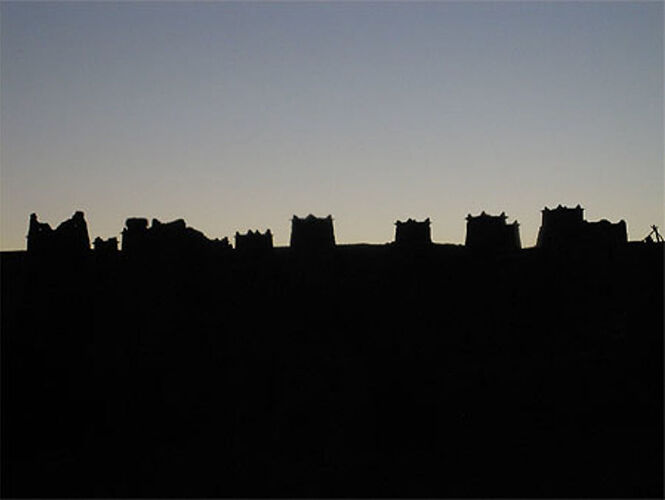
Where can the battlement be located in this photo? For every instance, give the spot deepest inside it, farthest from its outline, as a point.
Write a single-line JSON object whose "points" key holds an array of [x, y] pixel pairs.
{"points": [[413, 232], [312, 232], [253, 241], [563, 215], [565, 227], [491, 233]]}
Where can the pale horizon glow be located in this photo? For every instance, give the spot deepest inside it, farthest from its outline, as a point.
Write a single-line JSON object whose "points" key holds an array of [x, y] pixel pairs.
{"points": [[236, 116]]}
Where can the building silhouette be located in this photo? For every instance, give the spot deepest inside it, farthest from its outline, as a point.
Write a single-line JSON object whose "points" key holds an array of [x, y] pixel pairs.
{"points": [[565, 227], [312, 233], [69, 238], [413, 232], [254, 241], [135, 234], [491, 233], [561, 228], [166, 238], [180, 371]]}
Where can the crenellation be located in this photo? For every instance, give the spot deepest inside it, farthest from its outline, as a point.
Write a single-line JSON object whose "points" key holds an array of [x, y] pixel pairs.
{"points": [[491, 233], [565, 228], [312, 233], [412, 233], [254, 241]]}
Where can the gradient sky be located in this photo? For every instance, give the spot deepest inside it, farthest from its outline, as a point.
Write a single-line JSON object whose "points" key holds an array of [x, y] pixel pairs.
{"points": [[236, 116]]}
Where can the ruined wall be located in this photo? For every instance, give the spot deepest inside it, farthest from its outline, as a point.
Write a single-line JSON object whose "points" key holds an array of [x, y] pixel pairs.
{"points": [[166, 238], [69, 238]]}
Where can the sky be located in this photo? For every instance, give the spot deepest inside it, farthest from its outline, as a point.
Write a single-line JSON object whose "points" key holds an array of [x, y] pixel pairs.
{"points": [[238, 115]]}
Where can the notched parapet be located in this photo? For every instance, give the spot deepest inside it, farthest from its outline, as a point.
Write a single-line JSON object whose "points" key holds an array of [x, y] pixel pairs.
{"points": [[412, 233], [491, 233], [312, 233], [566, 228], [254, 241]]}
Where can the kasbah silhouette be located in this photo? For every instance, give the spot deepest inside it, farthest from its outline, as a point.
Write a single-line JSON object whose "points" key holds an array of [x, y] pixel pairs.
{"points": [[174, 365]]}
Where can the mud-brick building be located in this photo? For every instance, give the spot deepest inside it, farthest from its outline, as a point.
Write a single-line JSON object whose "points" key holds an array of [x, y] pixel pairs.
{"points": [[565, 227], [413, 232], [254, 241], [491, 233], [167, 238], [312, 233]]}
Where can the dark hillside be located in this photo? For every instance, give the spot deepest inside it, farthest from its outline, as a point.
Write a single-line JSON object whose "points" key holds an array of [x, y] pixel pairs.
{"points": [[358, 371]]}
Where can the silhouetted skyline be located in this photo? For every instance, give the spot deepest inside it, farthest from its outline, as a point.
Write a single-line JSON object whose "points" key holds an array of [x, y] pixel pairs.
{"points": [[179, 367], [237, 115], [561, 228]]}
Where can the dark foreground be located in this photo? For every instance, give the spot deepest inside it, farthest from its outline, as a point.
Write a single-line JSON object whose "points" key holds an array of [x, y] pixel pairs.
{"points": [[366, 371]]}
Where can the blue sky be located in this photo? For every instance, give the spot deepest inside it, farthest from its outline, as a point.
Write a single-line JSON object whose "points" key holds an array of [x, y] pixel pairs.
{"points": [[236, 116]]}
